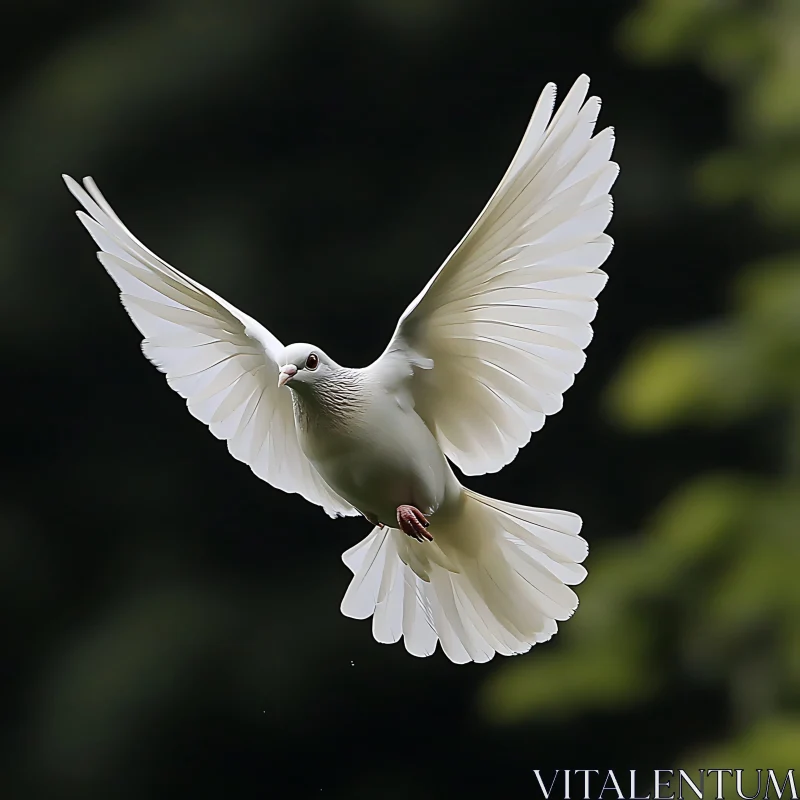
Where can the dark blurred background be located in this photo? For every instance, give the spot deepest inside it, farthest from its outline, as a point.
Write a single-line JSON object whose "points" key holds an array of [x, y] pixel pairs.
{"points": [[170, 624]]}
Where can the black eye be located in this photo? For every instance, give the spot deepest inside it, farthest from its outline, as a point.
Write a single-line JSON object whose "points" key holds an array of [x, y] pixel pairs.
{"points": [[312, 362]]}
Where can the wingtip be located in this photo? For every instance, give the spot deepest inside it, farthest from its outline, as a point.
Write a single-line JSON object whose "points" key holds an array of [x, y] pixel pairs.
{"points": [[69, 179], [84, 219], [74, 188], [581, 85]]}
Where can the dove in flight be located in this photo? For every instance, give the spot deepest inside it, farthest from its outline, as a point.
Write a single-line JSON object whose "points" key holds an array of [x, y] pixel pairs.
{"points": [[476, 363]]}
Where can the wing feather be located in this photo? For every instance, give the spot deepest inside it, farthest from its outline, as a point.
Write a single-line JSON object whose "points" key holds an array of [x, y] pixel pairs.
{"points": [[221, 361], [497, 335]]}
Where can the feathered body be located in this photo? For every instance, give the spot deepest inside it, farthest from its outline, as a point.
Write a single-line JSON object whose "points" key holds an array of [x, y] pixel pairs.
{"points": [[477, 362], [370, 446]]}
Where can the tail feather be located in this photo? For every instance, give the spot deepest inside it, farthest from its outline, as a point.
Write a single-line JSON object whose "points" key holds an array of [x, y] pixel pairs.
{"points": [[501, 641], [387, 621], [418, 628], [496, 579], [368, 561]]}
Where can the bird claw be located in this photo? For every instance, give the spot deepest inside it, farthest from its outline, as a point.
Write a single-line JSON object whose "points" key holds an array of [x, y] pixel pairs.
{"points": [[413, 523]]}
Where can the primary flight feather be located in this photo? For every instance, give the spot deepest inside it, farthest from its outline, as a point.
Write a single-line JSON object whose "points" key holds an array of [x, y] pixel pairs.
{"points": [[476, 363]]}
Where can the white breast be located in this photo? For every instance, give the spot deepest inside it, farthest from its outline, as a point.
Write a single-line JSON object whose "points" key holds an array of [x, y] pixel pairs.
{"points": [[379, 458]]}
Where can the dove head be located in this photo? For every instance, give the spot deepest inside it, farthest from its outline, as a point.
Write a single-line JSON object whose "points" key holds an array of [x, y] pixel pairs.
{"points": [[304, 364]]}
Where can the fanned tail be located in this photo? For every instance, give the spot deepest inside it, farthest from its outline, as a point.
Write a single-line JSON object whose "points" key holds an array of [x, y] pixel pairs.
{"points": [[496, 579]]}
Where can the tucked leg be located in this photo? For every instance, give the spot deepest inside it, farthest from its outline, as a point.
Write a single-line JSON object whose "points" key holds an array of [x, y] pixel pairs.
{"points": [[413, 523]]}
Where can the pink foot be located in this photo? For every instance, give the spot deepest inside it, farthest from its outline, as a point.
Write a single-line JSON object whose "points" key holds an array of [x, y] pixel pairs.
{"points": [[413, 523]]}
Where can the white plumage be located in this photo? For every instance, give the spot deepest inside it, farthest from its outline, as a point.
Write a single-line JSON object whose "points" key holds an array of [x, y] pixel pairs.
{"points": [[476, 363]]}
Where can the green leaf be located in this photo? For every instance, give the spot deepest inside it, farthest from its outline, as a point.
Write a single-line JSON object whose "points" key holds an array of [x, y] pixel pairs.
{"points": [[711, 376], [567, 682]]}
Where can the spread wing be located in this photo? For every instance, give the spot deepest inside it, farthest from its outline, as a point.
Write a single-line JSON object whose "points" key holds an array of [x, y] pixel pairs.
{"points": [[221, 361], [497, 335]]}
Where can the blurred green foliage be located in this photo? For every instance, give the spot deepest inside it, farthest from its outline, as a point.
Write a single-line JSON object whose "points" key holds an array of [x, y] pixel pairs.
{"points": [[708, 592]]}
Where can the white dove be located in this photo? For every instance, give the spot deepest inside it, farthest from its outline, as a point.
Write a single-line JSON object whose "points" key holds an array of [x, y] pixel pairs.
{"points": [[476, 362]]}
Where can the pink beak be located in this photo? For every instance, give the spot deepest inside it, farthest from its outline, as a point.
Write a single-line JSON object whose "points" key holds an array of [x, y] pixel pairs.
{"points": [[287, 372]]}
